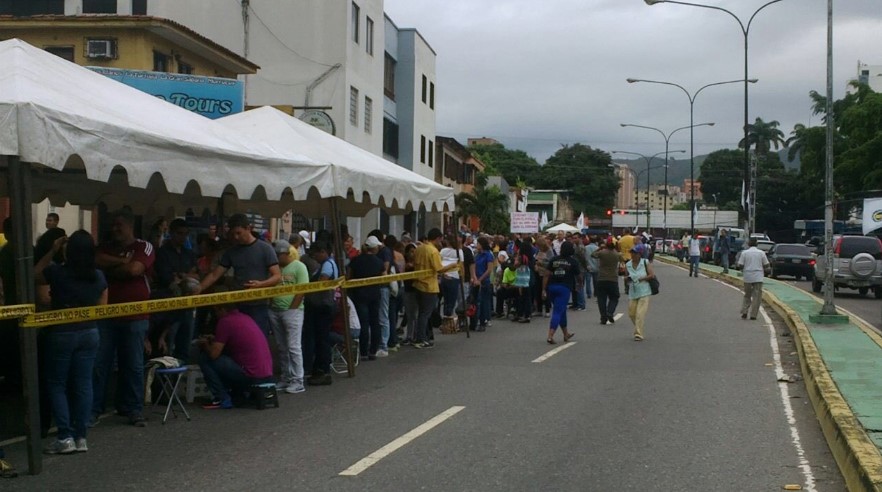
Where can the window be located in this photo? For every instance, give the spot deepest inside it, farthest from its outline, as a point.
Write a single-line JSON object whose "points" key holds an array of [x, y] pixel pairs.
{"points": [[432, 95], [389, 77], [369, 36], [368, 114], [422, 148], [99, 6], [353, 106], [139, 7], [356, 12], [66, 52], [22, 8], [431, 153], [390, 138], [185, 68], [160, 62], [425, 83]]}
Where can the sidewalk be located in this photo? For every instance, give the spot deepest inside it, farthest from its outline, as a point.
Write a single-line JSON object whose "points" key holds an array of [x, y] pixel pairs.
{"points": [[842, 365]]}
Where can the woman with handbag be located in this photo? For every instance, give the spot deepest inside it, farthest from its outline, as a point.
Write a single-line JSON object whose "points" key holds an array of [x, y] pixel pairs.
{"points": [[640, 272]]}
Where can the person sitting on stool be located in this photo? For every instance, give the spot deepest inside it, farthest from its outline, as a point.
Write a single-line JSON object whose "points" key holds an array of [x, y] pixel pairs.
{"points": [[236, 357]]}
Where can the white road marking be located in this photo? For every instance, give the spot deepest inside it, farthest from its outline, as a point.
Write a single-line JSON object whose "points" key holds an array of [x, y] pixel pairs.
{"points": [[393, 446], [552, 353], [804, 465], [618, 316]]}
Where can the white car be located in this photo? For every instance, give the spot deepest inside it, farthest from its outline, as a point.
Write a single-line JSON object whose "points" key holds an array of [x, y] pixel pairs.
{"points": [[763, 245]]}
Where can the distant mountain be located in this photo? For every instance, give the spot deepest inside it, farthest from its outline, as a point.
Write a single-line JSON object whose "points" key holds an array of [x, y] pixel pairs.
{"points": [[679, 169]]}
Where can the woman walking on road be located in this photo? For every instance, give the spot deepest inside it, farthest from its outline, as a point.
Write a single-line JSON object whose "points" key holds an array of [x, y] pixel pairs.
{"points": [[640, 272], [563, 274]]}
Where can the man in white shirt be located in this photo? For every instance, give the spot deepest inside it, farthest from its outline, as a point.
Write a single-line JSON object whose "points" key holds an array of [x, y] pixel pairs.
{"points": [[694, 255], [754, 265]]}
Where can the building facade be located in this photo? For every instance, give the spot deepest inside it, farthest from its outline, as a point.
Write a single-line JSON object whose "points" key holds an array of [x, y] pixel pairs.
{"points": [[870, 75], [626, 197]]}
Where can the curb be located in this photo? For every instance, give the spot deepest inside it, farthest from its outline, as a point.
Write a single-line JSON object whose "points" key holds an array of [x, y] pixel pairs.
{"points": [[858, 457]]}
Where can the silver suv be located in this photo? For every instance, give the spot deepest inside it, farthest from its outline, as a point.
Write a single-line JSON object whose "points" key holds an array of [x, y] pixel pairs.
{"points": [[857, 264]]}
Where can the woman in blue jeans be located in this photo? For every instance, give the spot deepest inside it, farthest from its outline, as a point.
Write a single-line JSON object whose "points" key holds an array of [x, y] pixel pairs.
{"points": [[564, 273], [71, 348]]}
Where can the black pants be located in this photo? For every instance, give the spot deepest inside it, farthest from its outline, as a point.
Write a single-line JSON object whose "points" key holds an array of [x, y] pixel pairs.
{"points": [[369, 317], [502, 295], [316, 338], [607, 293]]}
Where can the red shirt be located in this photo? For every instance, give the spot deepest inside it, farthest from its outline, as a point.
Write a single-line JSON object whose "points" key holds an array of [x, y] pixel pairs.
{"points": [[130, 289], [245, 344]]}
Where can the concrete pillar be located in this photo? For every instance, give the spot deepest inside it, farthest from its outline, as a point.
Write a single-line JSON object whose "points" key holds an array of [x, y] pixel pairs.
{"points": [[73, 7], [124, 7]]}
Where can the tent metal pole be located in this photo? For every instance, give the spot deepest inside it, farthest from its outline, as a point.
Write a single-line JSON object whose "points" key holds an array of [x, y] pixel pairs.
{"points": [[339, 255], [20, 203]]}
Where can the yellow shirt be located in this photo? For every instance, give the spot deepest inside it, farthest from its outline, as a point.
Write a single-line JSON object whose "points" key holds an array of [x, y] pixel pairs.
{"points": [[626, 243], [427, 257]]}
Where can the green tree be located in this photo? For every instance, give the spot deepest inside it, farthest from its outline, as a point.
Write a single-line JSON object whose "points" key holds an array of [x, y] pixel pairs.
{"points": [[488, 204], [721, 174], [586, 173], [762, 136], [512, 165]]}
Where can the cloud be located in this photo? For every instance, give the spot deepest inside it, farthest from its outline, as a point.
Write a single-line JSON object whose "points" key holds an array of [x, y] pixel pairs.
{"points": [[538, 74]]}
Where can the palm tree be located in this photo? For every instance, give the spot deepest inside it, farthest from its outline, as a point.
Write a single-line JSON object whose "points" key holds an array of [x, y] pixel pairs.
{"points": [[762, 136], [489, 204], [796, 142]]}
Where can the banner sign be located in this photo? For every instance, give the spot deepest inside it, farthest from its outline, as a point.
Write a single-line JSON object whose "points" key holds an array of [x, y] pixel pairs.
{"points": [[524, 222], [872, 214], [212, 97]]}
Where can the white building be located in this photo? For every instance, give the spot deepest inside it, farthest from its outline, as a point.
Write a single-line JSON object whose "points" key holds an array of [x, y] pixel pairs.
{"points": [[870, 75], [342, 61], [626, 196]]}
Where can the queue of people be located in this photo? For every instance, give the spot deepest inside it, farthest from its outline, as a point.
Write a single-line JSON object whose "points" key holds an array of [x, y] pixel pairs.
{"points": [[476, 278]]}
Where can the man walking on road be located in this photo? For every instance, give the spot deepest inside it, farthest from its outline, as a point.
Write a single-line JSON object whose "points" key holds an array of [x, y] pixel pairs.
{"points": [[607, 289], [725, 249], [694, 255], [754, 265]]}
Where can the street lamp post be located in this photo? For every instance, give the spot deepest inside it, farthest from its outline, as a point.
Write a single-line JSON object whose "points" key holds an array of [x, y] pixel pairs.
{"points": [[667, 138], [749, 168], [637, 177], [691, 127]]}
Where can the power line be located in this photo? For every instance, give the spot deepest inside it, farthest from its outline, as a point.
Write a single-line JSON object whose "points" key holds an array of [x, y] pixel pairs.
{"points": [[285, 45]]}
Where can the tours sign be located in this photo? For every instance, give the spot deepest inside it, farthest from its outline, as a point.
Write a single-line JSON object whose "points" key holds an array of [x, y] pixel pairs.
{"points": [[212, 97]]}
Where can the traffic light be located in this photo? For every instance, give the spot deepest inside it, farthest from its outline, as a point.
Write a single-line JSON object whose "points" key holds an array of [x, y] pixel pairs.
{"points": [[609, 212]]}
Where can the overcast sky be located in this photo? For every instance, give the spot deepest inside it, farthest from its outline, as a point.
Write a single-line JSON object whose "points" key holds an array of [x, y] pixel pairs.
{"points": [[537, 74]]}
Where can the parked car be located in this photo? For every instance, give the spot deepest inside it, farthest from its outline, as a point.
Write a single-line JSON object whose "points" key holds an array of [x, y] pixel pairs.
{"points": [[669, 246], [792, 259], [764, 246], [857, 264]]}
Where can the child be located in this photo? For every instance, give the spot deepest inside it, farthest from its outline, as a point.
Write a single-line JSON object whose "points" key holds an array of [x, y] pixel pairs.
{"points": [[505, 289]]}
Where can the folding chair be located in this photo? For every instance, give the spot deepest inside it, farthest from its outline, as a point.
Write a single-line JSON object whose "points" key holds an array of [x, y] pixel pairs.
{"points": [[170, 379]]}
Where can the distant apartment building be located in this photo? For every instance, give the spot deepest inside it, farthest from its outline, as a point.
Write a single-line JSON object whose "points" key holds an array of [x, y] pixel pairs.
{"points": [[690, 186], [626, 196], [456, 167], [870, 75]]}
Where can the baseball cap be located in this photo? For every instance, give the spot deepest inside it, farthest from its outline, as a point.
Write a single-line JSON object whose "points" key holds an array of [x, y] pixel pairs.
{"points": [[503, 255], [282, 246], [372, 242], [638, 248]]}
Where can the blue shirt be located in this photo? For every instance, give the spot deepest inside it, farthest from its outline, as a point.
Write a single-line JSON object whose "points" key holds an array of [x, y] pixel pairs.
{"points": [[638, 289], [483, 260]]}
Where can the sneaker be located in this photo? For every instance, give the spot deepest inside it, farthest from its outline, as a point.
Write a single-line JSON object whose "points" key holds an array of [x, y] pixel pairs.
{"points": [[382, 353], [61, 446], [293, 389], [407, 341], [419, 345], [547, 315], [82, 445], [7, 470], [611, 320], [137, 420], [281, 385], [393, 348], [93, 421], [428, 344], [224, 404]]}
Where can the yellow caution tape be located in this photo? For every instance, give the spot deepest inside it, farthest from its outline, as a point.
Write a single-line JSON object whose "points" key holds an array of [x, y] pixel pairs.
{"points": [[16, 311], [76, 315]]}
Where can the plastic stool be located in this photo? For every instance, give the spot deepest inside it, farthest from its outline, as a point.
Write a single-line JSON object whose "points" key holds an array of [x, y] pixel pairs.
{"points": [[264, 393], [170, 379]]}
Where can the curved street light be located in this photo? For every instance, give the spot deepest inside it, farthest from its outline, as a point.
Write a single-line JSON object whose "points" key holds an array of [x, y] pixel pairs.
{"points": [[667, 138], [691, 127], [749, 169], [637, 177]]}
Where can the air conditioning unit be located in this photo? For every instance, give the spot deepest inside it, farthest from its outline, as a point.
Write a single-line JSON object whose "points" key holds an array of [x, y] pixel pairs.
{"points": [[101, 48]]}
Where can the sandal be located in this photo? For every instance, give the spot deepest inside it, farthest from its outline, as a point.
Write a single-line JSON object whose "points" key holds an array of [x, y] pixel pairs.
{"points": [[568, 337], [550, 341]]}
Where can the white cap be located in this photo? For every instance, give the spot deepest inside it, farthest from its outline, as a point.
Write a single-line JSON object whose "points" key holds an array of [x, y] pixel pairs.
{"points": [[372, 242]]}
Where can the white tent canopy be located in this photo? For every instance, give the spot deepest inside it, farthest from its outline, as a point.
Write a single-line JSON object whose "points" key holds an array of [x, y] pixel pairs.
{"points": [[563, 227], [84, 125], [355, 171]]}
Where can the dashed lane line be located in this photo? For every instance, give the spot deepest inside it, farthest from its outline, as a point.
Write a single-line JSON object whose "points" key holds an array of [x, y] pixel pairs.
{"points": [[552, 353]]}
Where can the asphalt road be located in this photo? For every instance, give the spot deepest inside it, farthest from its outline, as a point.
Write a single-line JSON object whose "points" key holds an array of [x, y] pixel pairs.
{"points": [[696, 406]]}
